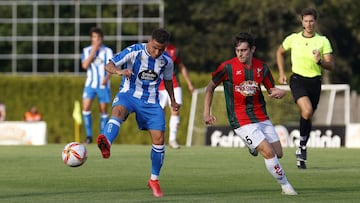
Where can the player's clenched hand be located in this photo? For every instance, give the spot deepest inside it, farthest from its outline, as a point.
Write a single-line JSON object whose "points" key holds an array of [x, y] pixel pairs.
{"points": [[175, 106], [277, 93], [209, 119]]}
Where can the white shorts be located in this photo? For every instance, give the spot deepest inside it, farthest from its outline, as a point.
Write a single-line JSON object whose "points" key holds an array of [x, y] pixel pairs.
{"points": [[164, 98], [253, 134]]}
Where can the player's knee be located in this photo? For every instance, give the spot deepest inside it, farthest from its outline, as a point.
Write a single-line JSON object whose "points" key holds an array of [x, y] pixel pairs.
{"points": [[306, 113], [266, 151], [157, 138]]}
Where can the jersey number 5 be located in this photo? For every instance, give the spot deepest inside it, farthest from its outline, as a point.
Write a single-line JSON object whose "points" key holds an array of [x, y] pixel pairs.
{"points": [[248, 140]]}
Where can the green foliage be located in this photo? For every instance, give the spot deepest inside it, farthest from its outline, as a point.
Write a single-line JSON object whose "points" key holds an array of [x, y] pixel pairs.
{"points": [[198, 174], [204, 30], [55, 96]]}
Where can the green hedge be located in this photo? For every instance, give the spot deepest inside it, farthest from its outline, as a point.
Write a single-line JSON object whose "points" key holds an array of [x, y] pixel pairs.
{"points": [[55, 96]]}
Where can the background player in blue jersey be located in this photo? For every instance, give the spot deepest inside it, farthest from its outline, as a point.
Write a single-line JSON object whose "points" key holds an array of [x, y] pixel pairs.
{"points": [[144, 66], [94, 59]]}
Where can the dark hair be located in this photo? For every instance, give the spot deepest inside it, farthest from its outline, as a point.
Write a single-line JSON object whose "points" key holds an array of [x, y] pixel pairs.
{"points": [[160, 35], [97, 31], [309, 11], [244, 37]]}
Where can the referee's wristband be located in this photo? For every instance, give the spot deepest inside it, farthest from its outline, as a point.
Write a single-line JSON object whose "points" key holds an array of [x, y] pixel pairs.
{"points": [[319, 62]]}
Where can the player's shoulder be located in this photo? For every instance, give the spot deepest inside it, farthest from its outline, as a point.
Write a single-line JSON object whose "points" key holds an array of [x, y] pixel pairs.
{"points": [[321, 37], [166, 54], [87, 48], [230, 61], [167, 58], [295, 35], [136, 47], [107, 48], [257, 61]]}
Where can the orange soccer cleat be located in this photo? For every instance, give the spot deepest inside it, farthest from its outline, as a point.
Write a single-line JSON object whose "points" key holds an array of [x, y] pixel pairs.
{"points": [[155, 187], [104, 146]]}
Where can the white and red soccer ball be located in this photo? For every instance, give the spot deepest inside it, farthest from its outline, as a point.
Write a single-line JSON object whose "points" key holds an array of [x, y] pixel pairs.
{"points": [[74, 154]]}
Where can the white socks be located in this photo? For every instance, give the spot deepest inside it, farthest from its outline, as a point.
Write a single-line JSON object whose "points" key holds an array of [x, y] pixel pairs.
{"points": [[275, 169], [173, 126]]}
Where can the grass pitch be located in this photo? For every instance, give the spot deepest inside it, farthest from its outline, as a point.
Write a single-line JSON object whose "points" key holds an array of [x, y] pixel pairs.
{"points": [[198, 174]]}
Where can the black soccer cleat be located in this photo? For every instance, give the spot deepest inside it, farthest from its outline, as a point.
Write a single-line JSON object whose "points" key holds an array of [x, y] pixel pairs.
{"points": [[301, 164], [301, 157], [253, 152]]}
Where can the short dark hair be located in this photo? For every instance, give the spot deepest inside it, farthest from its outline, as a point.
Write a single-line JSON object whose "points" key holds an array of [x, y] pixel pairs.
{"points": [[244, 37], [97, 31], [160, 35], [309, 11]]}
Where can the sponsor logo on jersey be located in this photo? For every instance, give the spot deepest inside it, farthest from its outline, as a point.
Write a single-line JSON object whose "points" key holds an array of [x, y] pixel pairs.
{"points": [[148, 75], [247, 88]]}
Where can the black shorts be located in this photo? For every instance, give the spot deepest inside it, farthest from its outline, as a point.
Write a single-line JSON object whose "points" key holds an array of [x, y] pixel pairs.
{"points": [[303, 86]]}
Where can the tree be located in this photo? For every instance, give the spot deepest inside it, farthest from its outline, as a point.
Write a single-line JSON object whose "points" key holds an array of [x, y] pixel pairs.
{"points": [[203, 30]]}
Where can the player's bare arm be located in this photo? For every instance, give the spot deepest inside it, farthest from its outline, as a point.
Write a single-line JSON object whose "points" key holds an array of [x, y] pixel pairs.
{"points": [[209, 93], [328, 62], [170, 89], [106, 79], [185, 73], [280, 63], [112, 69]]}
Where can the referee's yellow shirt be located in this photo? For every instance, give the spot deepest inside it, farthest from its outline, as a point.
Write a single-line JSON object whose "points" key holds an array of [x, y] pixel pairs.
{"points": [[302, 58]]}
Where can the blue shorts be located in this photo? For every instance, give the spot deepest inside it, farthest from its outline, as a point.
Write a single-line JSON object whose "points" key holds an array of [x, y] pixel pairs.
{"points": [[104, 95], [148, 116]]}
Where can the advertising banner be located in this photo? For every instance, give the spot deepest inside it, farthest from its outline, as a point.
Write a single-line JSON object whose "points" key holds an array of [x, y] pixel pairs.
{"points": [[22, 133], [320, 136]]}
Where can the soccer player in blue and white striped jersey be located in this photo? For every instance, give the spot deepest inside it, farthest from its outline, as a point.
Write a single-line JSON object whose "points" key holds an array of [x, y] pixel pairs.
{"points": [[94, 59], [144, 66]]}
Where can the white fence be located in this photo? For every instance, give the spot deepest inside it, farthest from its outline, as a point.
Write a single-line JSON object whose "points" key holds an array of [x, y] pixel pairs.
{"points": [[68, 14]]}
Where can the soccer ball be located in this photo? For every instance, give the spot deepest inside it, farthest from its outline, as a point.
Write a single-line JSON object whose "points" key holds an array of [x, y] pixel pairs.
{"points": [[74, 154]]}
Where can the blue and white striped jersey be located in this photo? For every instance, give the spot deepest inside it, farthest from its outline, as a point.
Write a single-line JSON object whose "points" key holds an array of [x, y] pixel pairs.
{"points": [[147, 72], [96, 72]]}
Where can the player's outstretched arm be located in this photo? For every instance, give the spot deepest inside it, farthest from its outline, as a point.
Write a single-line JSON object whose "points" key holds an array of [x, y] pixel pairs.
{"points": [[280, 63], [209, 94], [170, 89], [112, 69], [328, 62], [185, 74]]}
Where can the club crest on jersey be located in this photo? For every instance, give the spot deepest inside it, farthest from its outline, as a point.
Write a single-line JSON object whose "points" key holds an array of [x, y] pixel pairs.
{"points": [[162, 62], [98, 61], [258, 71], [247, 88], [148, 75]]}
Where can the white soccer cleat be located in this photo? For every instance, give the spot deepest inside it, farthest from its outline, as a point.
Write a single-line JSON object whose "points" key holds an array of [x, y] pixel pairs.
{"points": [[174, 145], [288, 190]]}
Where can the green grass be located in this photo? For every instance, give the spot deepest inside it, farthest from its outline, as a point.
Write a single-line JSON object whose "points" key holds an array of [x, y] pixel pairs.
{"points": [[198, 174]]}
